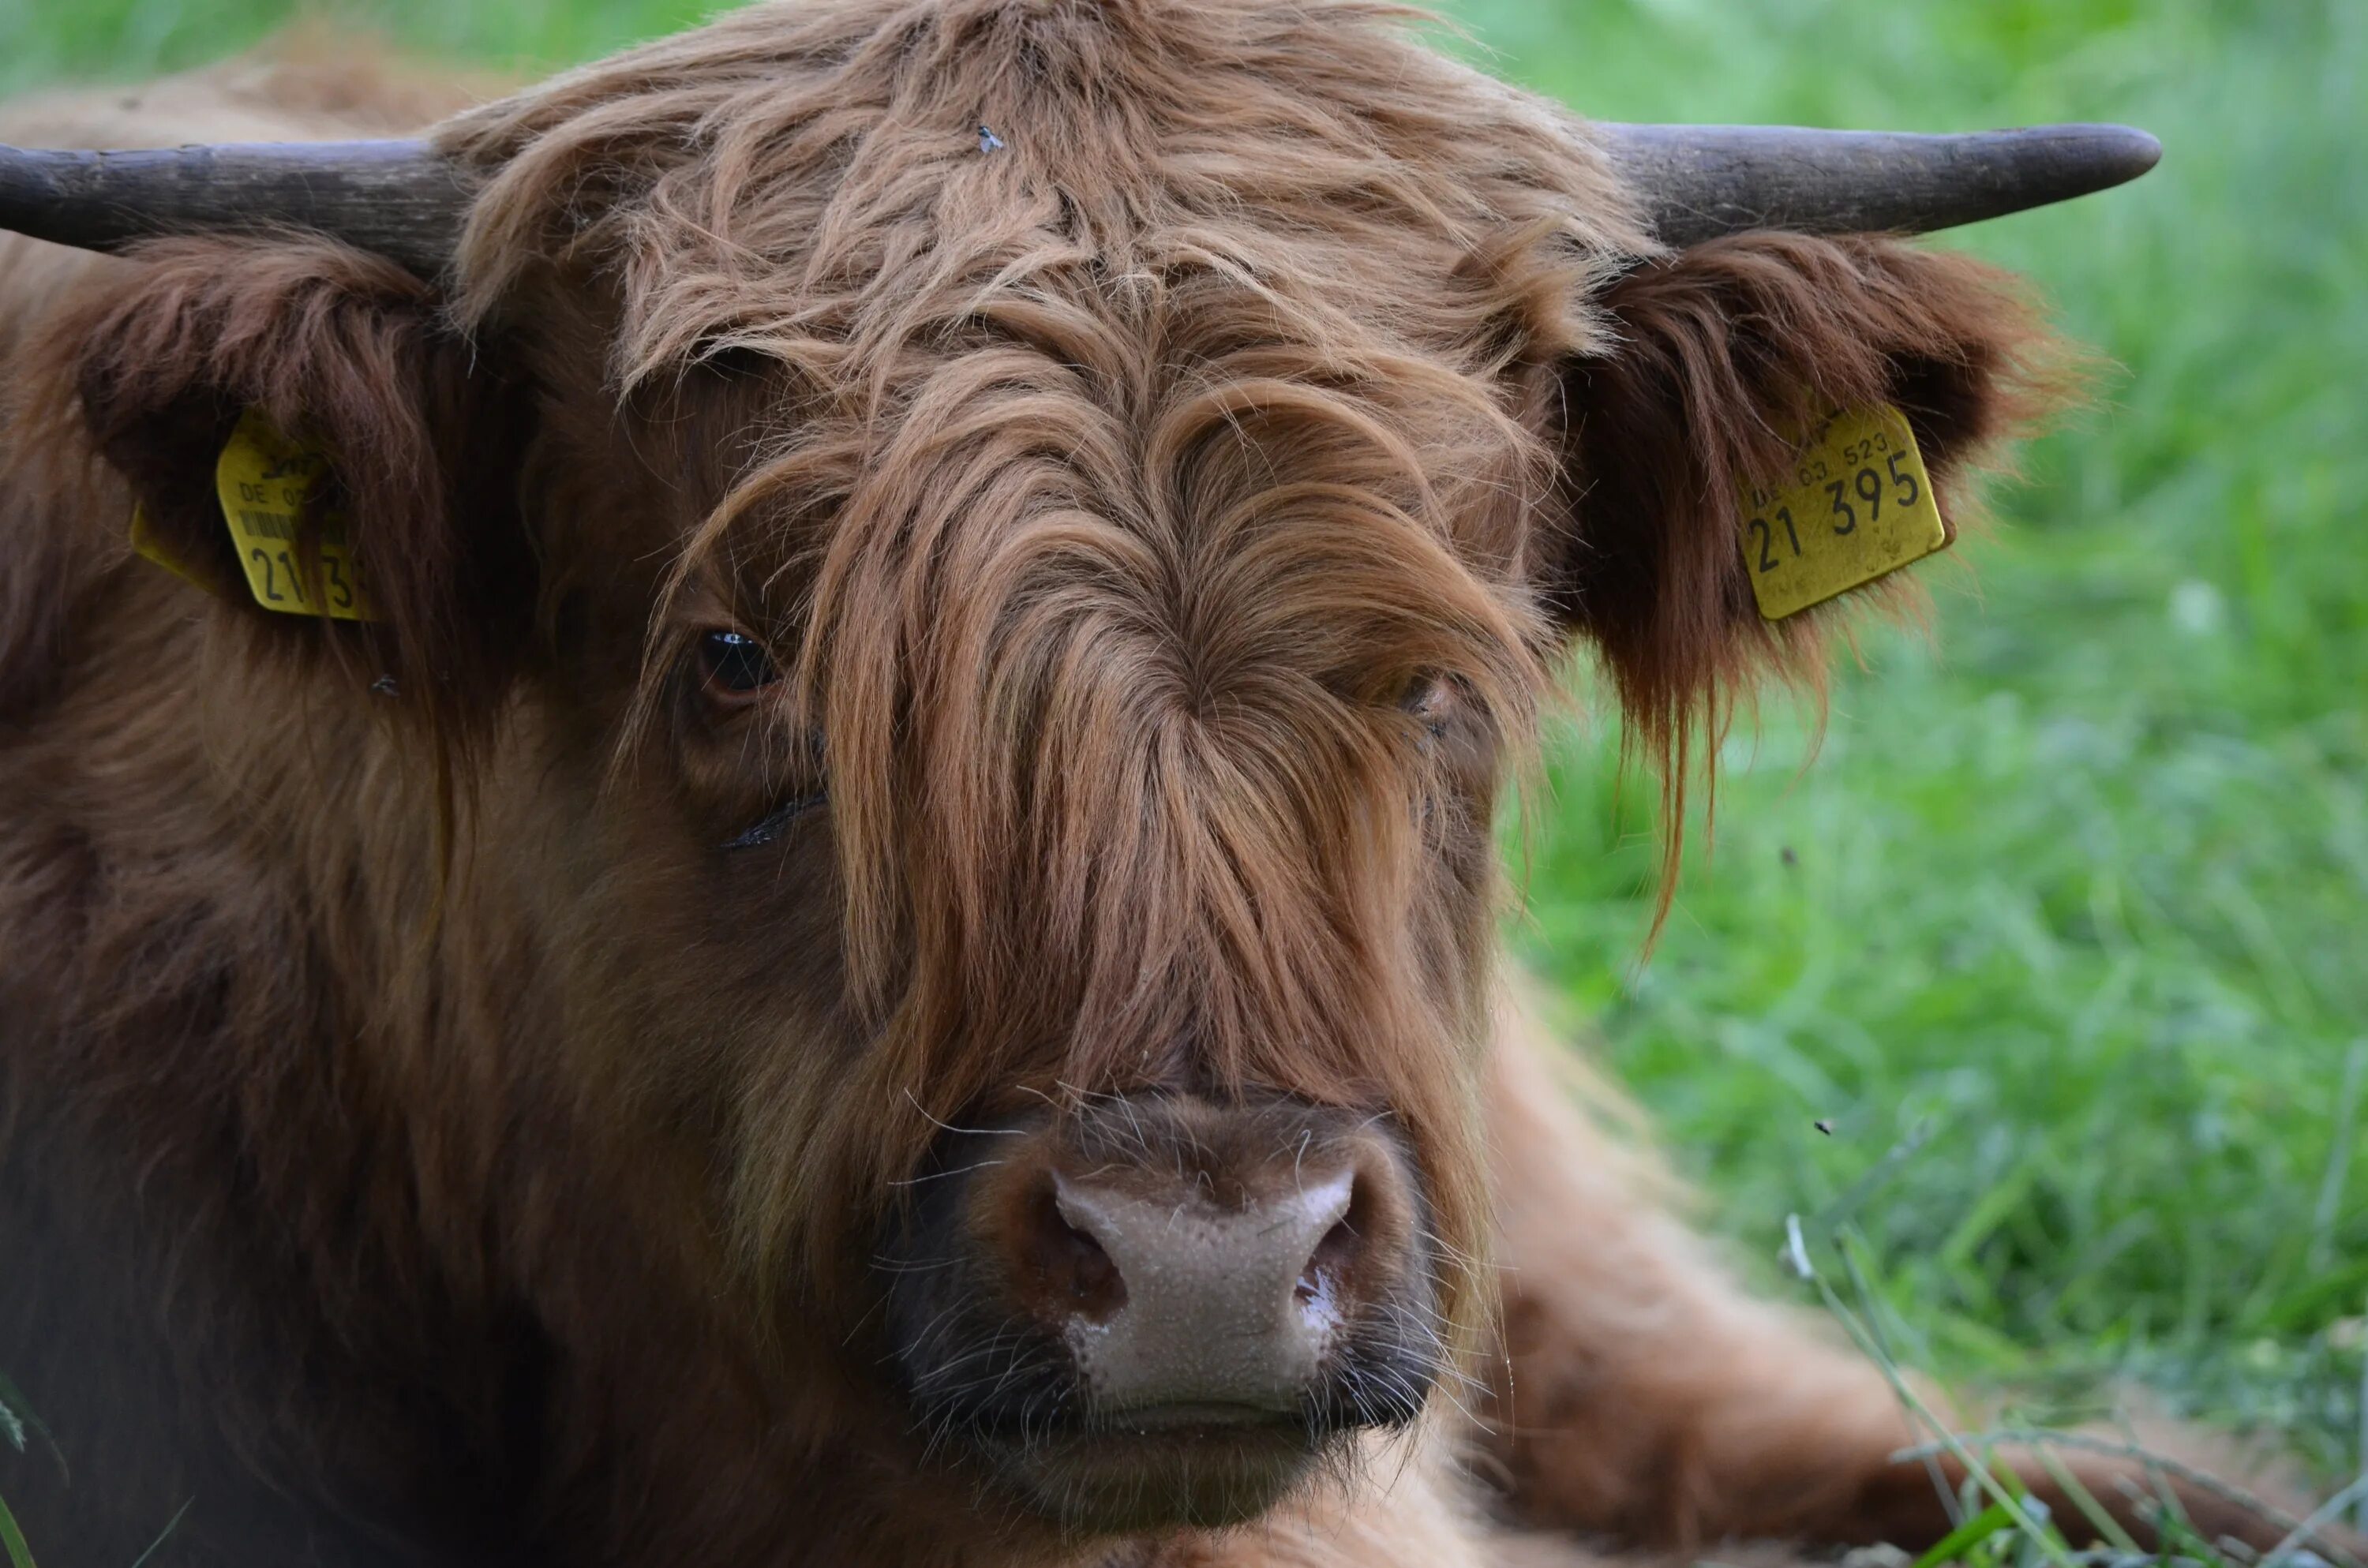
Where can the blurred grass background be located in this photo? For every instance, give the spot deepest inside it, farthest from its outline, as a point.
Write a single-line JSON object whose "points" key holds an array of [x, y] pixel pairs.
{"points": [[2079, 884]]}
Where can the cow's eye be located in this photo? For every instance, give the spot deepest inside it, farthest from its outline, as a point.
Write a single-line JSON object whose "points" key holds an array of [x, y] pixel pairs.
{"points": [[735, 665], [1430, 702]]}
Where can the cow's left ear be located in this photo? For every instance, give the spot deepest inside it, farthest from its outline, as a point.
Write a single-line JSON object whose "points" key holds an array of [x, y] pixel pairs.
{"points": [[352, 357], [1716, 355]]}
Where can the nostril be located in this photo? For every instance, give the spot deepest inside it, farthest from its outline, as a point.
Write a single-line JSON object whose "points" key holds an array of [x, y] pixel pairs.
{"points": [[1074, 1272], [1325, 1277], [1328, 1265]]}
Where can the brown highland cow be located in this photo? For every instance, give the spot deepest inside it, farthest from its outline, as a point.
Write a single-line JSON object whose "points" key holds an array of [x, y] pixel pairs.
{"points": [[880, 952]]}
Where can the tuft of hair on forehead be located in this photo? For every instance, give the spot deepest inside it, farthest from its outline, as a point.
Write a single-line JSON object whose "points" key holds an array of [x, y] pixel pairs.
{"points": [[1197, 395], [798, 175]]}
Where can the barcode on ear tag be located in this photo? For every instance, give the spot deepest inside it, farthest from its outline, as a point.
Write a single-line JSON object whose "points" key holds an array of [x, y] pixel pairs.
{"points": [[265, 483], [1858, 506]]}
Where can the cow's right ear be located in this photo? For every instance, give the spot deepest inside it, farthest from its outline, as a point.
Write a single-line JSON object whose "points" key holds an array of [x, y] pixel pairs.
{"points": [[350, 356]]}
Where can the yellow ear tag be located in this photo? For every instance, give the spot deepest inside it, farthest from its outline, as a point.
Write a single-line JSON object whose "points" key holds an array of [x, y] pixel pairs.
{"points": [[148, 547], [1858, 506], [266, 482]]}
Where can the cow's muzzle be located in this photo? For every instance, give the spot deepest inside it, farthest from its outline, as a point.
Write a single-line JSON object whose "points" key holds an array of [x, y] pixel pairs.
{"points": [[1163, 1309]]}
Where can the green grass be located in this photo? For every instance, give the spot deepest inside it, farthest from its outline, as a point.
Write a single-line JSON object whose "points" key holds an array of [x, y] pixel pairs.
{"points": [[2081, 883], [2083, 880]]}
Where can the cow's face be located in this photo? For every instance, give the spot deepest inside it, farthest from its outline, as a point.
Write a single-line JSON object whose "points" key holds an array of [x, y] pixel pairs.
{"points": [[983, 662], [1092, 619]]}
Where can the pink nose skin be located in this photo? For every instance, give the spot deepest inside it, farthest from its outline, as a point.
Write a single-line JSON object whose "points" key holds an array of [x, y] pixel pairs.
{"points": [[1208, 1313]]}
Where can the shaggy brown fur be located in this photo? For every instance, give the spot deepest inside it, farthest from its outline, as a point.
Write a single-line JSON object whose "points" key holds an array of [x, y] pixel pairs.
{"points": [[425, 1144]]}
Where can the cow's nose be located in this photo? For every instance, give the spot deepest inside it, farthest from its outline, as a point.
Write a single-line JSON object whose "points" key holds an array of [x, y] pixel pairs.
{"points": [[1180, 1305], [1161, 1309]]}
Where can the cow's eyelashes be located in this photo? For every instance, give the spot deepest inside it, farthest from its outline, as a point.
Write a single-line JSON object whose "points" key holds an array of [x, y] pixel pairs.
{"points": [[778, 821], [811, 793], [733, 666]]}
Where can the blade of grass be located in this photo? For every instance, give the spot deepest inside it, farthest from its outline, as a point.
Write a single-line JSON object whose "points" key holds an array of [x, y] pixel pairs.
{"points": [[170, 1526], [19, 1554], [1849, 1244], [2181, 1539], [2101, 1519], [2170, 1515], [1970, 1534], [2326, 1513], [20, 1415]]}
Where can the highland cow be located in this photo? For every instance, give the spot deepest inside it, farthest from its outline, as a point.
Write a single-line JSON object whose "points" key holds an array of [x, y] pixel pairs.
{"points": [[876, 947]]}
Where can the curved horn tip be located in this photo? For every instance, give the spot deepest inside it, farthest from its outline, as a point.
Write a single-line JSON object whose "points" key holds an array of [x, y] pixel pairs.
{"points": [[2119, 154]]}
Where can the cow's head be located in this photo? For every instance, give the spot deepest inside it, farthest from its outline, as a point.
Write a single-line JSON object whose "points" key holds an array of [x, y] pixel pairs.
{"points": [[980, 568]]}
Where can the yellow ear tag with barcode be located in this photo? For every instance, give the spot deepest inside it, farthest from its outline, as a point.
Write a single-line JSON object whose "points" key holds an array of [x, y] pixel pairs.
{"points": [[1857, 506], [266, 482]]}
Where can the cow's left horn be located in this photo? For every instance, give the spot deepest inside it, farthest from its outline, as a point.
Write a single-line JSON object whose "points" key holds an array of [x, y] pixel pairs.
{"points": [[399, 200], [1701, 181]]}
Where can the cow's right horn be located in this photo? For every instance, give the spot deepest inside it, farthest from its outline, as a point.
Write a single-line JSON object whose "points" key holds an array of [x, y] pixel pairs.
{"points": [[398, 199], [1701, 181]]}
